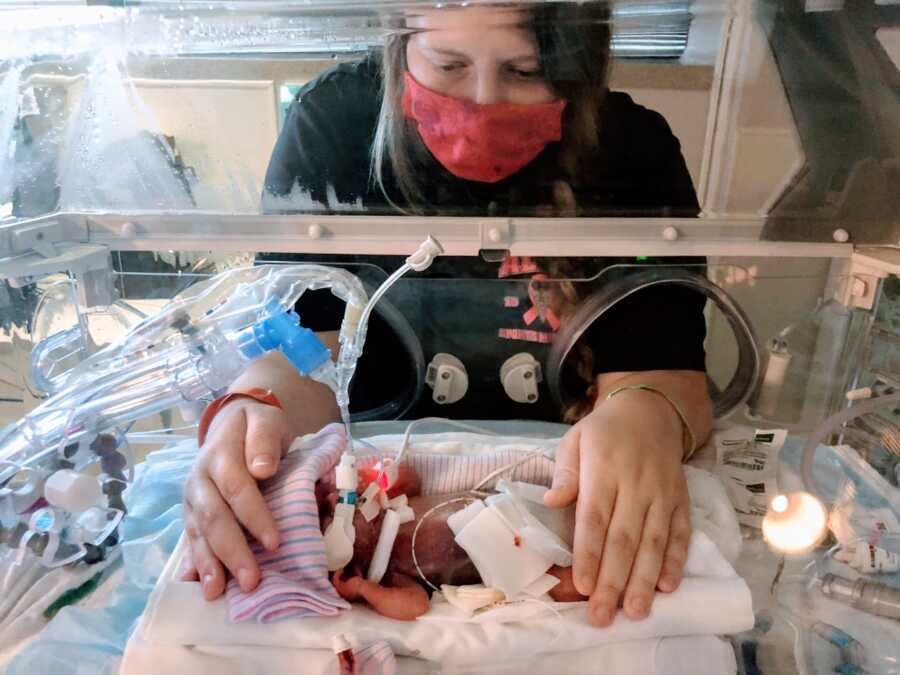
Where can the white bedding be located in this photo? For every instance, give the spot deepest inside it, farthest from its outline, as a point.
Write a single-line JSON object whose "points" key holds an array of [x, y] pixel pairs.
{"points": [[182, 633]]}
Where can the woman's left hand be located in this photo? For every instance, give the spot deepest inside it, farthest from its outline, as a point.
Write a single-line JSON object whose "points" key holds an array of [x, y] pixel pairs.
{"points": [[621, 465]]}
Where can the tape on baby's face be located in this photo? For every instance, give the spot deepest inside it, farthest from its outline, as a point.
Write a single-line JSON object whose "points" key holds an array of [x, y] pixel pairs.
{"points": [[402, 479]]}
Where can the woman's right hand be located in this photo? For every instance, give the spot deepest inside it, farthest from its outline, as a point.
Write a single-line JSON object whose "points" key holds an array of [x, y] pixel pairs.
{"points": [[245, 443]]}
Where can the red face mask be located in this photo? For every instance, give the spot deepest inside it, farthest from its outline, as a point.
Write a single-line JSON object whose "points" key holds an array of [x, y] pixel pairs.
{"points": [[483, 142]]}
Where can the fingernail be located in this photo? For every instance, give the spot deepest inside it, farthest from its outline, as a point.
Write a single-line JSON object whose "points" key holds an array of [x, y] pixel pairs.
{"points": [[270, 541], [584, 585], [207, 580], [638, 605], [263, 462], [245, 579], [603, 615], [559, 484]]}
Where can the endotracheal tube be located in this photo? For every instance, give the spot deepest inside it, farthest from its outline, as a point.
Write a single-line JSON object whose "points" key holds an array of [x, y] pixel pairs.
{"points": [[184, 356]]}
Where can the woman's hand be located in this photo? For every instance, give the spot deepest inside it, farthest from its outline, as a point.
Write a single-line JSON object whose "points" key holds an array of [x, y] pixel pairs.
{"points": [[244, 444], [621, 464]]}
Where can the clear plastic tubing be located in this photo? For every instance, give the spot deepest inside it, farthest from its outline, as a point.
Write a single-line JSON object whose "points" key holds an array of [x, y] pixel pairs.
{"points": [[187, 354], [157, 366], [829, 426], [346, 366]]}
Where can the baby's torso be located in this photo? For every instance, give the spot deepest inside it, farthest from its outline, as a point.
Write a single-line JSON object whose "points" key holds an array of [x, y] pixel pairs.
{"points": [[439, 557]]}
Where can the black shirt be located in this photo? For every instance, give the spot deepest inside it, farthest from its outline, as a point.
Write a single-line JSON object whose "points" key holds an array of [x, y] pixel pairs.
{"points": [[321, 161], [477, 310]]}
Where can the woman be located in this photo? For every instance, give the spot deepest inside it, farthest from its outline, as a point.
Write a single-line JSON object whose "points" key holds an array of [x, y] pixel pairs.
{"points": [[355, 137], [492, 110]]}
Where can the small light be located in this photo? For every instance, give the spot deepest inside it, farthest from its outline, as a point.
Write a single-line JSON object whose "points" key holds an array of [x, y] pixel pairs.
{"points": [[795, 523], [780, 504]]}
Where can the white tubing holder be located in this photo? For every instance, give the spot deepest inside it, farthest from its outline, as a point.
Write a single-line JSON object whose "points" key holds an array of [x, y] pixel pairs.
{"points": [[386, 538], [426, 253]]}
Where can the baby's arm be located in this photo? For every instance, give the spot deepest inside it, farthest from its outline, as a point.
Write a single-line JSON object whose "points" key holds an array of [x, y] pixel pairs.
{"points": [[404, 599]]}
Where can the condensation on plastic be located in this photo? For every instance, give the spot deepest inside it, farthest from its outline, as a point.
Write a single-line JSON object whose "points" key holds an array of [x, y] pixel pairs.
{"points": [[819, 153], [115, 157], [185, 353], [9, 108]]}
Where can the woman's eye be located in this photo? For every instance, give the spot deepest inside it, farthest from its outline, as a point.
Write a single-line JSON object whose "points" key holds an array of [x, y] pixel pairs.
{"points": [[450, 67], [525, 74]]}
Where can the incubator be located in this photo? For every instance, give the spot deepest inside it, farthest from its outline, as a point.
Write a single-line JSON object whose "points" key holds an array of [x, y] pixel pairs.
{"points": [[188, 187]]}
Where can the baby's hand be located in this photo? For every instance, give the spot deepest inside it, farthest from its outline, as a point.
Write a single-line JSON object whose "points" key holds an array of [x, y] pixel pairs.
{"points": [[349, 589]]}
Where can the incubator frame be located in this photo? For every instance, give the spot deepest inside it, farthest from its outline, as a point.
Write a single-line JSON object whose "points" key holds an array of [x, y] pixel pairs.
{"points": [[313, 233]]}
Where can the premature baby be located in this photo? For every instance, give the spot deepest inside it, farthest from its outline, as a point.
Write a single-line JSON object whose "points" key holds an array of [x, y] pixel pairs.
{"points": [[402, 594]]}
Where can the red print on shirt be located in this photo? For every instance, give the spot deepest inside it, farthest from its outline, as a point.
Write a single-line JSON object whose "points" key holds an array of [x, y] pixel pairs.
{"points": [[538, 313]]}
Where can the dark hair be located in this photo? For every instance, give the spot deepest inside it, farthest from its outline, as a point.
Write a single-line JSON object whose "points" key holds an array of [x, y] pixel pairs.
{"points": [[574, 48]]}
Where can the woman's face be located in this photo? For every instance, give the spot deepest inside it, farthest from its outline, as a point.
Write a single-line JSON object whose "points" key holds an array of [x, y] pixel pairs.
{"points": [[479, 54]]}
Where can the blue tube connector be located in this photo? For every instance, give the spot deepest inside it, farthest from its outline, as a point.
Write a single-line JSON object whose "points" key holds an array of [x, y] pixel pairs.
{"points": [[281, 330]]}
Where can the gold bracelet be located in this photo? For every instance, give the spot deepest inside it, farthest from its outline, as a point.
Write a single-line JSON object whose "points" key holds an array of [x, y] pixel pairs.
{"points": [[691, 438]]}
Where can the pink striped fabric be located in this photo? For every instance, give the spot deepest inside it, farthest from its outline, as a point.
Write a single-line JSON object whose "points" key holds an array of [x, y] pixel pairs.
{"points": [[441, 474], [295, 577], [375, 659]]}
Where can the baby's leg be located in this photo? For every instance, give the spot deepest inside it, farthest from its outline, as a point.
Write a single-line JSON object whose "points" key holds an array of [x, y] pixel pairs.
{"points": [[404, 599], [564, 591]]}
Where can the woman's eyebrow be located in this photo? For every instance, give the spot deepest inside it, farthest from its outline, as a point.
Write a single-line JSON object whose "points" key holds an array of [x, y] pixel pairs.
{"points": [[524, 58], [445, 52], [452, 53]]}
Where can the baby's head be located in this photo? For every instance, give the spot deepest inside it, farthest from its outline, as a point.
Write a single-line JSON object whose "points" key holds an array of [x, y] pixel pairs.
{"points": [[327, 496]]}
